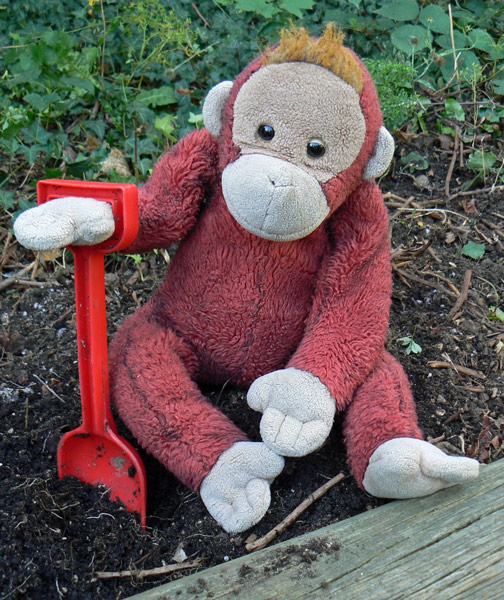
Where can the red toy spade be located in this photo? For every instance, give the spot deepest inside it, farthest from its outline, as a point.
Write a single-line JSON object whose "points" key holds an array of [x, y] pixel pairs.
{"points": [[94, 453]]}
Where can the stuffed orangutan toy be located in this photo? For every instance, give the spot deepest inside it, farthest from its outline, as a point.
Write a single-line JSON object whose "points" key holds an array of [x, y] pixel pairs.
{"points": [[281, 284]]}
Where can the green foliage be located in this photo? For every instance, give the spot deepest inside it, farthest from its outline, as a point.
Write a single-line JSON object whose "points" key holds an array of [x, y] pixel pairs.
{"points": [[473, 250], [82, 77], [394, 84], [411, 347]]}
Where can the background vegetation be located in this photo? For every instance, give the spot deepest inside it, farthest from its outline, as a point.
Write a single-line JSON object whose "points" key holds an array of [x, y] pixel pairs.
{"points": [[100, 88]]}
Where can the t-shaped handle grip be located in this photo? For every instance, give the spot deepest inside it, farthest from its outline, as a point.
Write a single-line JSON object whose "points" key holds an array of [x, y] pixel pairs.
{"points": [[123, 197]]}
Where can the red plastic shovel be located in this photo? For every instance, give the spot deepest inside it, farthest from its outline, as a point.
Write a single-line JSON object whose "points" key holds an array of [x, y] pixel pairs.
{"points": [[94, 453]]}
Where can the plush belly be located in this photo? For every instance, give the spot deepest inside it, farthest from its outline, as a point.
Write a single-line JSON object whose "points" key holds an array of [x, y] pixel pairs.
{"points": [[242, 302]]}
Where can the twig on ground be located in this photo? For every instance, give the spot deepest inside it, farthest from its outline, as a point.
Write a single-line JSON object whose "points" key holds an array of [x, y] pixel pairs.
{"points": [[164, 570], [17, 277], [493, 227], [294, 515], [452, 163], [3, 259], [445, 280], [464, 292], [48, 387], [483, 236], [436, 286], [485, 190], [440, 364]]}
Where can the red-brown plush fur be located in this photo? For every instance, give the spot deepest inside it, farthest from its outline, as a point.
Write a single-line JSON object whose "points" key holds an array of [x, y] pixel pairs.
{"points": [[234, 306]]}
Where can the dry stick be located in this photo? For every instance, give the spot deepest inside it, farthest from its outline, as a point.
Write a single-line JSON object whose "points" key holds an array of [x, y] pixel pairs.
{"points": [[439, 364], [452, 163], [491, 190], [4, 251], [148, 572], [13, 279], [495, 228], [464, 292], [436, 286], [294, 515], [200, 15]]}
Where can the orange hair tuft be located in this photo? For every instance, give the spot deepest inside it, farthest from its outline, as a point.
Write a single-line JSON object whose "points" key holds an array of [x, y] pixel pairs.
{"points": [[328, 51]]}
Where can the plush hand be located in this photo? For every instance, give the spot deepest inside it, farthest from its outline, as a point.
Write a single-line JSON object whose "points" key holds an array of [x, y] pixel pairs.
{"points": [[298, 411], [65, 221], [409, 468], [236, 492]]}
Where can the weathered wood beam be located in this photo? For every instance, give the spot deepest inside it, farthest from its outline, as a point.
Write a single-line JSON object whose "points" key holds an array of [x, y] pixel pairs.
{"points": [[449, 546]]}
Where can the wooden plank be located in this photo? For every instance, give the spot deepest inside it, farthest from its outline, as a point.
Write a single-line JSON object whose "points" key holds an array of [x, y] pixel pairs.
{"points": [[449, 546]]}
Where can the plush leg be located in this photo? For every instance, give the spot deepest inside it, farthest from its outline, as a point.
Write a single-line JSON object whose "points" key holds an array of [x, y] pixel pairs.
{"points": [[152, 387], [387, 456], [382, 408]]}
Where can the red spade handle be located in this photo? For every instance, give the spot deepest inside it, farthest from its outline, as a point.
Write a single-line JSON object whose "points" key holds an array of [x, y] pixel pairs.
{"points": [[90, 290]]}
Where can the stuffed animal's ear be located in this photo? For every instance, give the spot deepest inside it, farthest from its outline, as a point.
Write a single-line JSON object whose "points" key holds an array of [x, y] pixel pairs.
{"points": [[213, 105], [382, 155]]}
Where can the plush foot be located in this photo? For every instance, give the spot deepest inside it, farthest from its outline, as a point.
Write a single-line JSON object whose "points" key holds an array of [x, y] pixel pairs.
{"points": [[409, 468], [298, 411], [236, 492]]}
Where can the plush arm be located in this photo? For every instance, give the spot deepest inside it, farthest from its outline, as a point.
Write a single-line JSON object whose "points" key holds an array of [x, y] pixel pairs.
{"points": [[344, 334], [169, 202], [347, 327]]}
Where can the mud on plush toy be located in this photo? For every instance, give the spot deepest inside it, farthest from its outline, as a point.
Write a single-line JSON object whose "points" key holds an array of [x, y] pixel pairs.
{"points": [[281, 283]]}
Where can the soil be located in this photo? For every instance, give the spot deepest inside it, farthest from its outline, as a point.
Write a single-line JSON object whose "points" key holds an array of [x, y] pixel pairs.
{"points": [[56, 535]]}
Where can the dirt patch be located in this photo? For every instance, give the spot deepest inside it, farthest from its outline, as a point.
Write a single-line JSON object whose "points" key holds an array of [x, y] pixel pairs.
{"points": [[57, 534]]}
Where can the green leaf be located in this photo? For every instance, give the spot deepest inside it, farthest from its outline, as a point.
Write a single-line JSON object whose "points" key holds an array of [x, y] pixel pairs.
{"points": [[411, 38], [453, 110], [40, 102], [435, 19], [165, 126], [459, 39], [496, 314], [415, 162], [294, 7], [158, 97], [399, 10], [481, 161], [195, 119], [261, 7], [473, 250], [411, 345], [498, 86], [6, 200], [482, 40]]}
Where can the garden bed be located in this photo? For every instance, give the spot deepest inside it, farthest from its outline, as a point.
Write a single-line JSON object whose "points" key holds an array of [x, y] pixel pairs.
{"points": [[58, 535]]}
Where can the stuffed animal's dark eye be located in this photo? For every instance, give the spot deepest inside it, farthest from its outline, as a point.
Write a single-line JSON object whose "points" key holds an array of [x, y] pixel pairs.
{"points": [[315, 148], [266, 132]]}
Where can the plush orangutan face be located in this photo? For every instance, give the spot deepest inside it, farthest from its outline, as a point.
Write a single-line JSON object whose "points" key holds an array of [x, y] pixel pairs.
{"points": [[297, 126]]}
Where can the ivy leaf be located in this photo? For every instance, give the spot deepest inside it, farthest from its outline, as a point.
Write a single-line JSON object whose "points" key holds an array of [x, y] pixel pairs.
{"points": [[294, 7], [473, 250], [435, 19], [165, 126], [261, 7], [415, 162], [400, 10], [482, 40], [498, 86], [40, 102], [454, 110], [158, 97], [411, 38], [481, 161]]}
